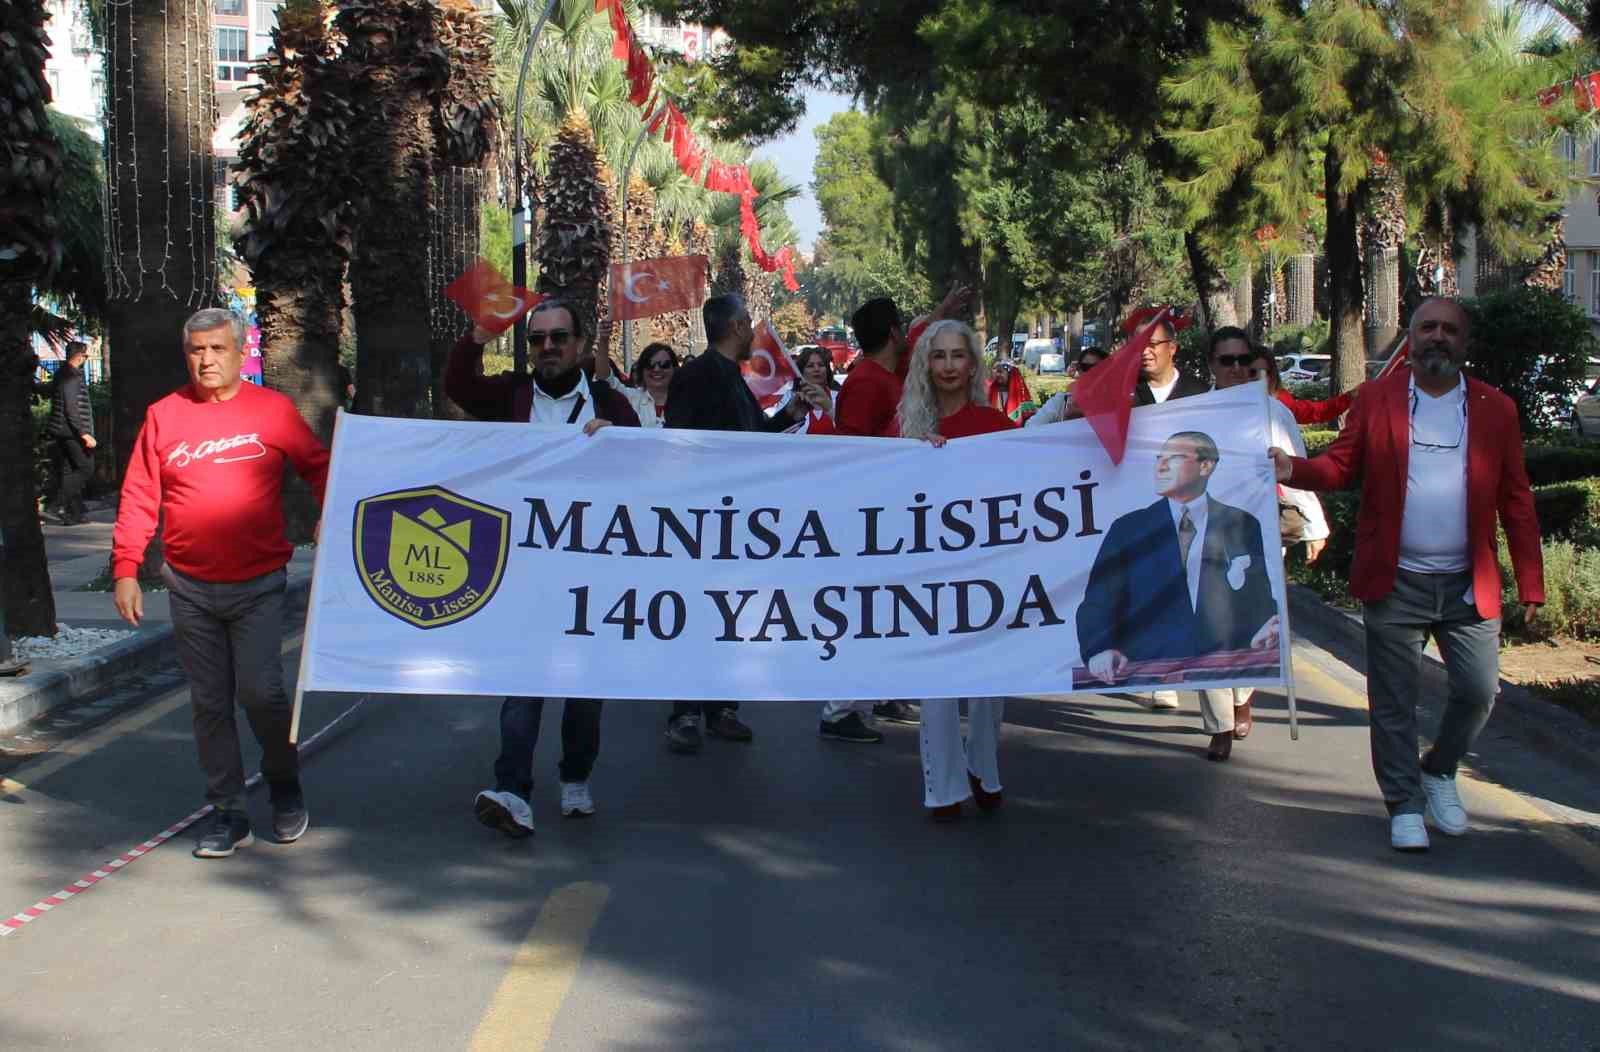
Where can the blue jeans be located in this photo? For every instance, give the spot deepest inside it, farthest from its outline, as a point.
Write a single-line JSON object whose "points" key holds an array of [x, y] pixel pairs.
{"points": [[1398, 626], [519, 735]]}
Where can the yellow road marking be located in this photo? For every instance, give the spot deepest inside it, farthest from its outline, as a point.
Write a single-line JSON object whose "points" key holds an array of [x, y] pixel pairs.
{"points": [[75, 749], [1559, 832], [523, 1010]]}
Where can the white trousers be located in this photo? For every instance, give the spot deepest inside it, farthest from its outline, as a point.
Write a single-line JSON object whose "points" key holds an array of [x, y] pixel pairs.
{"points": [[1216, 707], [834, 711], [946, 759]]}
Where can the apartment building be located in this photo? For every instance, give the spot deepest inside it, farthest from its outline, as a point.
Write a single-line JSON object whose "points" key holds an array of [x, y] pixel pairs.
{"points": [[1480, 271], [74, 69]]}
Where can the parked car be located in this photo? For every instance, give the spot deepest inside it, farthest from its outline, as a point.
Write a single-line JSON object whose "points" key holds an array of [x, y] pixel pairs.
{"points": [[1035, 349], [1052, 363], [1303, 368], [1585, 417]]}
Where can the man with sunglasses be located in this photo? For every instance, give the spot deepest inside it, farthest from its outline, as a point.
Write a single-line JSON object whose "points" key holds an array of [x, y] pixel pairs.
{"points": [[1439, 458], [558, 392], [1225, 712]]}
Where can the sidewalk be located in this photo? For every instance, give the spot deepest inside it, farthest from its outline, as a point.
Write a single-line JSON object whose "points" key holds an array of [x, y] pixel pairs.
{"points": [[79, 555]]}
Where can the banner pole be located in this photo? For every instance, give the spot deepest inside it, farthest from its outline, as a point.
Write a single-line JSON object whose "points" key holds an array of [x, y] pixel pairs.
{"points": [[306, 638], [1285, 636]]}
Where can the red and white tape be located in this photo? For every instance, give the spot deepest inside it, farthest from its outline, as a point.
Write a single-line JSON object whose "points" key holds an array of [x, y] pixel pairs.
{"points": [[16, 921], [82, 884]]}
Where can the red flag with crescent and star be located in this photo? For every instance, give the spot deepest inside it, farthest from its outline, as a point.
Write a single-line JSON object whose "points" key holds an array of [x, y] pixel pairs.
{"points": [[769, 369], [489, 299], [647, 287]]}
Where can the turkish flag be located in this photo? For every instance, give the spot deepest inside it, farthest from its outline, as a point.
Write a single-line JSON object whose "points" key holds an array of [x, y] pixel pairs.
{"points": [[648, 287], [769, 369], [1105, 393], [489, 299]]}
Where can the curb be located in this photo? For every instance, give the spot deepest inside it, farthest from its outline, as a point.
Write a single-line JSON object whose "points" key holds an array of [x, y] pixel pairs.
{"points": [[74, 679], [1545, 726]]}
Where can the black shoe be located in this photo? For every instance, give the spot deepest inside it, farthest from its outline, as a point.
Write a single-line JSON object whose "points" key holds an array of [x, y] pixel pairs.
{"points": [[228, 830], [289, 819], [895, 712], [683, 733], [851, 728], [726, 725]]}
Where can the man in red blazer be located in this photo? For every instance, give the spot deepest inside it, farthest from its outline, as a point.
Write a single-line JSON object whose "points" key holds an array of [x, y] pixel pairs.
{"points": [[1439, 455]]}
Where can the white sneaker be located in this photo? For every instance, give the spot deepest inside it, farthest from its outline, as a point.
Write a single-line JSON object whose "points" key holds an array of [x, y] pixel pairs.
{"points": [[506, 812], [1407, 833], [575, 800], [1444, 804], [1164, 699]]}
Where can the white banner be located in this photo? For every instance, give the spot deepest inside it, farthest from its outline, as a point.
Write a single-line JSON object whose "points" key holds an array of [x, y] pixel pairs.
{"points": [[476, 558]]}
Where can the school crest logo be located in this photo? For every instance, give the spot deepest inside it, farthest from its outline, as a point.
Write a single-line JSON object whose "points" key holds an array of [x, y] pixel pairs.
{"points": [[428, 556]]}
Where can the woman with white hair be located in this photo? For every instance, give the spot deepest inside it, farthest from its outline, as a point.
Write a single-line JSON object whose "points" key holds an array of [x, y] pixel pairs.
{"points": [[946, 396]]}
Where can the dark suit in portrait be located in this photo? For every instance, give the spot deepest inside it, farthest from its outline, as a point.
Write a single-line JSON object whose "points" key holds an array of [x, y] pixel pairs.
{"points": [[1137, 600]]}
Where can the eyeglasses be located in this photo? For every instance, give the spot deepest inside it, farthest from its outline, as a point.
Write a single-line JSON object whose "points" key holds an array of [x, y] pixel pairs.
{"points": [[661, 365], [1434, 447], [1233, 361], [557, 337], [1163, 343]]}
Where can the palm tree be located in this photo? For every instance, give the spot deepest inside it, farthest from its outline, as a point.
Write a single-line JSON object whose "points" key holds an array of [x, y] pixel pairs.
{"points": [[392, 67], [161, 221], [466, 116], [735, 271], [30, 253], [293, 229]]}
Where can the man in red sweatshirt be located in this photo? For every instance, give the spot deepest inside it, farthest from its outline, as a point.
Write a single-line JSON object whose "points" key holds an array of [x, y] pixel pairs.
{"points": [[210, 457]]}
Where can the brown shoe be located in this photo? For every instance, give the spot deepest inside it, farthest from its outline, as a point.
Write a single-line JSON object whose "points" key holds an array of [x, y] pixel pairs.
{"points": [[985, 800], [1221, 747], [1242, 721], [947, 813]]}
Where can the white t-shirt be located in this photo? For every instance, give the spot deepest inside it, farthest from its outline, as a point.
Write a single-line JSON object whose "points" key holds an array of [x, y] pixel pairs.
{"points": [[574, 407], [643, 403], [1162, 393], [1433, 524]]}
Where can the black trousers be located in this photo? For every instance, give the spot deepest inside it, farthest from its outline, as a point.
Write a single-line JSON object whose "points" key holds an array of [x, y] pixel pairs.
{"points": [[519, 734], [72, 466], [228, 636]]}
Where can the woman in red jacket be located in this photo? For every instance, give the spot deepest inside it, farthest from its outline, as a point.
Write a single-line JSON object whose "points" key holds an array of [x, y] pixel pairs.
{"points": [[945, 397]]}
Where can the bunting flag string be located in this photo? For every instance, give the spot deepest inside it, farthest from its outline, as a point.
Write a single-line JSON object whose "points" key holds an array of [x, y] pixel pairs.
{"points": [[690, 156]]}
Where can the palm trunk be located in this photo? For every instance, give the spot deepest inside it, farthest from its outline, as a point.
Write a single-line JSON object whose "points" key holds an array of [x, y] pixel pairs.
{"points": [[300, 327], [1344, 280], [159, 187], [392, 62], [30, 608], [1212, 288]]}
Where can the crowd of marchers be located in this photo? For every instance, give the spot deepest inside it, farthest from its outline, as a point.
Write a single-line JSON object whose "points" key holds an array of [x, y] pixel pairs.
{"points": [[1437, 454]]}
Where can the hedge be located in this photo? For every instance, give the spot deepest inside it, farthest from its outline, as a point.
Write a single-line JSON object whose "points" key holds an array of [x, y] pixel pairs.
{"points": [[1569, 518], [1571, 594]]}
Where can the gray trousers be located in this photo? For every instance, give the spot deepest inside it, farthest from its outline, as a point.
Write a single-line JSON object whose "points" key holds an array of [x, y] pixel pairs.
{"points": [[1398, 627], [229, 635]]}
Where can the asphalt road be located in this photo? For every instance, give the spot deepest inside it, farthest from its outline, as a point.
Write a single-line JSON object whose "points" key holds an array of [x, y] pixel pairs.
{"points": [[789, 894]]}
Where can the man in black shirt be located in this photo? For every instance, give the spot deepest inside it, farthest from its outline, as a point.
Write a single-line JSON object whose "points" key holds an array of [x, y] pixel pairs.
{"points": [[71, 431], [708, 393]]}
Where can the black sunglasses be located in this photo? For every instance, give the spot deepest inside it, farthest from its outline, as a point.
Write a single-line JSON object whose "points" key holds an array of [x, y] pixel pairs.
{"points": [[558, 338], [1230, 361], [661, 363]]}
